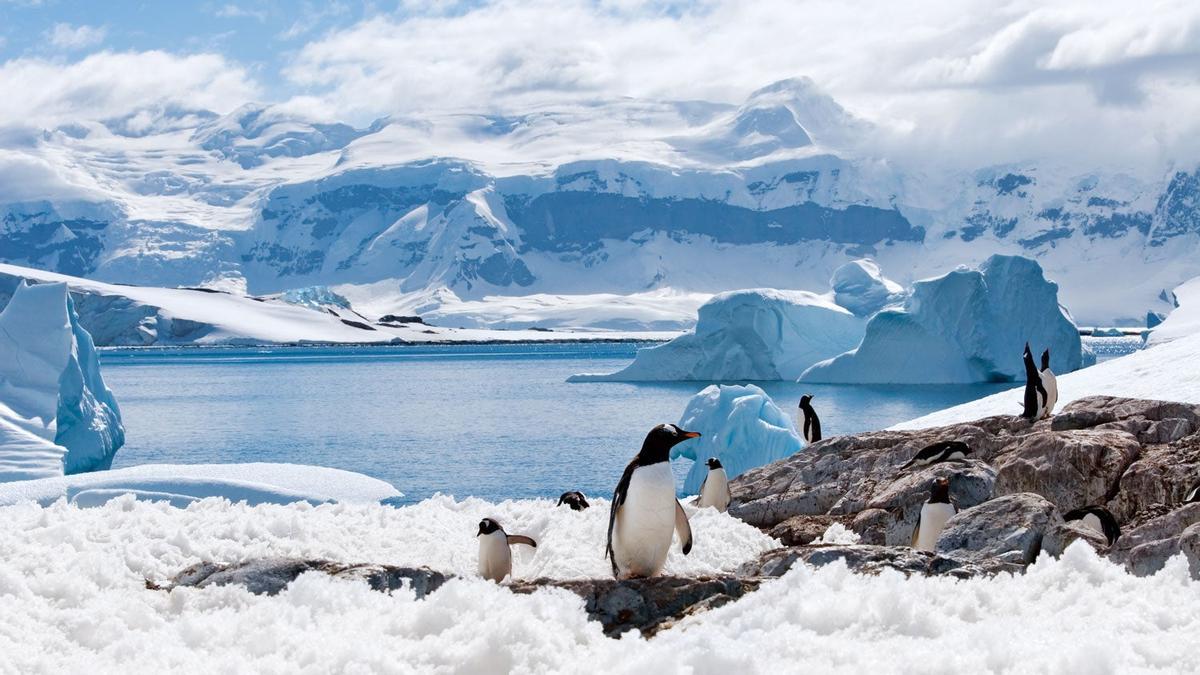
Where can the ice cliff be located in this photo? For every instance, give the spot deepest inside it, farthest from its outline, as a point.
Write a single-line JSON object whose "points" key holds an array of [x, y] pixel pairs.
{"points": [[965, 326], [56, 414]]}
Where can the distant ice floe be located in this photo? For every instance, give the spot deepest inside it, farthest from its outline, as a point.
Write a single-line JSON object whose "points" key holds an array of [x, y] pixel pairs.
{"points": [[962, 327], [740, 425], [56, 414]]}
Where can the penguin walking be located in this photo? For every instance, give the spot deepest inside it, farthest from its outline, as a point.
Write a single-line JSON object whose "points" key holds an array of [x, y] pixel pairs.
{"points": [[1050, 384], [495, 558], [1097, 518], [810, 424], [644, 509], [573, 499], [934, 515], [714, 491], [942, 451], [1035, 392]]}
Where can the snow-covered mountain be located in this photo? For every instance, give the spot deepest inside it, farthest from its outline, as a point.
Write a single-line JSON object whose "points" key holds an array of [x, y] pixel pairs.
{"points": [[614, 197]]}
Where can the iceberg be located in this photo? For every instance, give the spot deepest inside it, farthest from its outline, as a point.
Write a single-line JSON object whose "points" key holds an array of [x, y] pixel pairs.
{"points": [[963, 327], [740, 425], [755, 334], [56, 414], [860, 287]]}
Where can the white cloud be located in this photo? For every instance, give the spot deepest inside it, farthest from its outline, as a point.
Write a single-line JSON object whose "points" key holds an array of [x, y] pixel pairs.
{"points": [[109, 84], [232, 11], [66, 36]]}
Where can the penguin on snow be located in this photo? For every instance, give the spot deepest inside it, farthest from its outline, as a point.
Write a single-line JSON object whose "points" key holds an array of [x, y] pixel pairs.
{"points": [[714, 491], [1035, 391], [573, 499], [1049, 384], [495, 558]]}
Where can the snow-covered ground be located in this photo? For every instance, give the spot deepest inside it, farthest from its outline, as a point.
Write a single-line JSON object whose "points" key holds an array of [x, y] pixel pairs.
{"points": [[167, 316], [1169, 372], [1184, 320], [73, 600]]}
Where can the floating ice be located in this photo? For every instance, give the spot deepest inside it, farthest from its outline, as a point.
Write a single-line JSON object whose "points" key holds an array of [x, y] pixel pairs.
{"points": [[740, 425], [965, 326]]}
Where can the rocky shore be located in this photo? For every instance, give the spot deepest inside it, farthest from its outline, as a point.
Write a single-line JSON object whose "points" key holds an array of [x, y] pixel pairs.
{"points": [[1137, 458]]}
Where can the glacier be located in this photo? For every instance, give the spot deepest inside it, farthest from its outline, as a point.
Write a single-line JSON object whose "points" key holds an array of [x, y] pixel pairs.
{"points": [[740, 425], [56, 414], [860, 287], [753, 334], [965, 326]]}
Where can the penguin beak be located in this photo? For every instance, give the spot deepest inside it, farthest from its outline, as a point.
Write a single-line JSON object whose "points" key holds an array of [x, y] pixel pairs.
{"points": [[690, 434]]}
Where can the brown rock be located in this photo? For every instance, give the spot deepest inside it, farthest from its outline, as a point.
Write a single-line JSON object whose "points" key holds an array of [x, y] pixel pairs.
{"points": [[1069, 468], [1013, 528], [1144, 549]]}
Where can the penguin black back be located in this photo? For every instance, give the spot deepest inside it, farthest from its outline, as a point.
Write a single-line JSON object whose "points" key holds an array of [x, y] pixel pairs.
{"points": [[1108, 522], [812, 424], [1046, 360], [1033, 386], [573, 499]]}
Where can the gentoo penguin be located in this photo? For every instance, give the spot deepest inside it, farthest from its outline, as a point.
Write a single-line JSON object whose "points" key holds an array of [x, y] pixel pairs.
{"points": [[644, 509], [942, 451], [934, 515], [810, 424], [1099, 519], [1193, 495], [573, 499], [714, 491], [1035, 393], [1050, 384], [495, 560]]}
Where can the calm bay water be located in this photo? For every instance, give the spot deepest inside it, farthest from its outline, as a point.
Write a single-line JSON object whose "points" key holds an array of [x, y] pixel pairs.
{"points": [[495, 421]]}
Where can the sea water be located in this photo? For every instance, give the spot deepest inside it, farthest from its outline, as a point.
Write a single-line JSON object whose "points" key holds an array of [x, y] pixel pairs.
{"points": [[494, 421]]}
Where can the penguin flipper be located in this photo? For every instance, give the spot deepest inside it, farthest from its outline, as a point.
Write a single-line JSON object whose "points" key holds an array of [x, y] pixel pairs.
{"points": [[617, 500], [682, 528], [521, 539], [916, 533]]}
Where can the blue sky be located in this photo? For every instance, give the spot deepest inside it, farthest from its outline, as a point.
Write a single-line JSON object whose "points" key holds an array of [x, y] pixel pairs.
{"points": [[973, 76]]}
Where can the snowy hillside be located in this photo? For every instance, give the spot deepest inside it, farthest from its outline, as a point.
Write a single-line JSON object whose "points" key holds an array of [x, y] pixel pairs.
{"points": [[613, 197]]}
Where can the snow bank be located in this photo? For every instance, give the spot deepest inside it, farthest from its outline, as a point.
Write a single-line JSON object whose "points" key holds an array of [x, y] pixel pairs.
{"points": [[965, 326], [860, 287], [757, 334], [56, 414], [182, 484], [738, 424], [74, 601], [1184, 320], [1168, 372]]}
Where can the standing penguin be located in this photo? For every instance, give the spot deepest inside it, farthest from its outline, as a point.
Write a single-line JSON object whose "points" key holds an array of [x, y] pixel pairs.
{"points": [[495, 560], [714, 491], [1035, 393], [934, 515], [810, 424], [644, 509], [1049, 384]]}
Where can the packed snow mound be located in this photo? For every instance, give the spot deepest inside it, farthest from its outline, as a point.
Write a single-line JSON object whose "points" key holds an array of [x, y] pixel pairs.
{"points": [[182, 484], [860, 287], [1184, 320], [962, 327], [740, 425], [56, 413], [1165, 372], [86, 602], [756, 334]]}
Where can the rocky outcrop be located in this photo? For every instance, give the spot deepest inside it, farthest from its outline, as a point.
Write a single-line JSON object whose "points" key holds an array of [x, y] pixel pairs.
{"points": [[871, 559], [1138, 458], [268, 576]]}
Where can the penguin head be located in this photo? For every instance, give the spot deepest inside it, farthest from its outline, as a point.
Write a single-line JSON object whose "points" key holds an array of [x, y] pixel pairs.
{"points": [[939, 492], [488, 526], [806, 400], [713, 463], [1046, 359], [574, 499], [657, 446]]}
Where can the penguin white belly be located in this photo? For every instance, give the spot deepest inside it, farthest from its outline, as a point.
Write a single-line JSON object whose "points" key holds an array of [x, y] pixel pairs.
{"points": [[495, 558], [1093, 522], [933, 521], [802, 417], [1050, 382], [645, 522], [715, 492]]}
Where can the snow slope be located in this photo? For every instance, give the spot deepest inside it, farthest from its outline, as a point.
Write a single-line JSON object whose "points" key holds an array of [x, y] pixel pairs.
{"points": [[1184, 320], [56, 413], [182, 484], [141, 315], [754, 334], [965, 326], [740, 425], [1169, 372], [73, 601]]}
